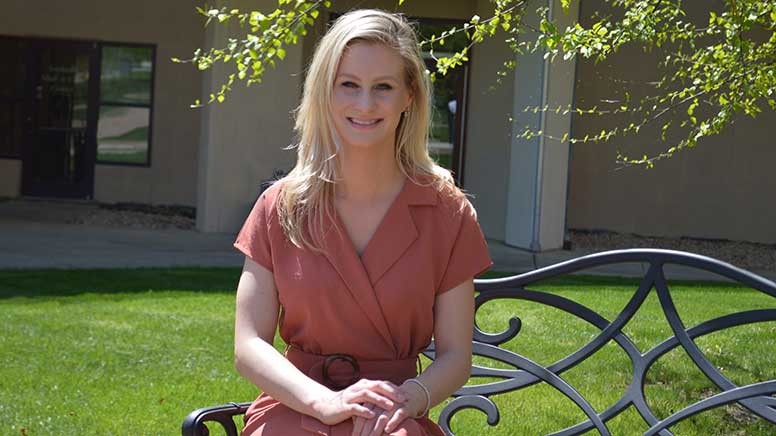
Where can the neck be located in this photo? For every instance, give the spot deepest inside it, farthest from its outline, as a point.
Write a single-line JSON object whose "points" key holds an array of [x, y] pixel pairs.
{"points": [[367, 175]]}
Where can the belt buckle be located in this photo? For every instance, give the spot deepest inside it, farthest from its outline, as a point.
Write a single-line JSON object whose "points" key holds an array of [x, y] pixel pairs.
{"points": [[331, 358]]}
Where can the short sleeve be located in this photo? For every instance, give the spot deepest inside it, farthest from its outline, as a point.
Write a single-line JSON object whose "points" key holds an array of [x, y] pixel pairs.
{"points": [[254, 237], [469, 257]]}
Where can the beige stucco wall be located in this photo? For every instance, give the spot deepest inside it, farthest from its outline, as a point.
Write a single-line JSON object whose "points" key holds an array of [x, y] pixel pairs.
{"points": [[520, 184], [488, 133], [725, 188], [10, 177], [176, 29], [243, 139], [558, 92]]}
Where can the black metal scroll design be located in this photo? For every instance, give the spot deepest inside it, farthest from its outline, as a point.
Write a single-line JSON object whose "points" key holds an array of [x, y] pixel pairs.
{"points": [[755, 397], [194, 424]]}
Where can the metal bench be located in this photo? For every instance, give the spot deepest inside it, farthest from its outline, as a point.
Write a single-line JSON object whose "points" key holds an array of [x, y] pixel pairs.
{"points": [[756, 397]]}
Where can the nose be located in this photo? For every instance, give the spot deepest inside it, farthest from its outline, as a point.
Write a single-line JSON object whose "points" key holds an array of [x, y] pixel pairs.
{"points": [[365, 101]]}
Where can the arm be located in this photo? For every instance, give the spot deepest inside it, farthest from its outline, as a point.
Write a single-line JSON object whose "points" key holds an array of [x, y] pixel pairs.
{"points": [[258, 361], [453, 327]]}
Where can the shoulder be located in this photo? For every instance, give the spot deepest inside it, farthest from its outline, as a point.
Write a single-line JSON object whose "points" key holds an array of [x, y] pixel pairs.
{"points": [[269, 197], [271, 193], [450, 203], [266, 207]]}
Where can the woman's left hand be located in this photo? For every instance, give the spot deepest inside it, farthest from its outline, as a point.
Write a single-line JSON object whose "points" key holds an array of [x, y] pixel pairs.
{"points": [[386, 421]]}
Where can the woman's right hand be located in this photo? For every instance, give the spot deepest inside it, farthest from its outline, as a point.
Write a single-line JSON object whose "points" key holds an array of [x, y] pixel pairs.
{"points": [[351, 401]]}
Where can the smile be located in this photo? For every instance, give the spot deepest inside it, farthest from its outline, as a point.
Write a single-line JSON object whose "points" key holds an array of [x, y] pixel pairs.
{"points": [[363, 123]]}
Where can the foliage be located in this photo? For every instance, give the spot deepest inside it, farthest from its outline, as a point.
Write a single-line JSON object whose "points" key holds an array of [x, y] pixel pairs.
{"points": [[264, 42], [711, 70]]}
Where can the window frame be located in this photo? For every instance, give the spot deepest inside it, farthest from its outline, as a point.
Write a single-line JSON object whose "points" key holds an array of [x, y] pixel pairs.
{"points": [[150, 106]]}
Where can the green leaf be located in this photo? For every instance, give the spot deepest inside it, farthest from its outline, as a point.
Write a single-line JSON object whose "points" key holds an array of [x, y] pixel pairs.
{"points": [[281, 53]]}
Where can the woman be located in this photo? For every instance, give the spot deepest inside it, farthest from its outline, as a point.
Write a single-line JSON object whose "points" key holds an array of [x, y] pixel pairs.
{"points": [[360, 254]]}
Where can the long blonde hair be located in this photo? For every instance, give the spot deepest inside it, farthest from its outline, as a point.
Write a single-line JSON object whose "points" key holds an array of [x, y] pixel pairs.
{"points": [[305, 201]]}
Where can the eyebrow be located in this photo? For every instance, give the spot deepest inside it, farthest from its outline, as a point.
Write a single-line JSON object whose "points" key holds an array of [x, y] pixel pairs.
{"points": [[376, 79]]}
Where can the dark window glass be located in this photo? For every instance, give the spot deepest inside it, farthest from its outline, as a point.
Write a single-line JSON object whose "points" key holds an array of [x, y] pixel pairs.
{"points": [[11, 67], [123, 130], [12, 80], [444, 104], [126, 74], [11, 122]]}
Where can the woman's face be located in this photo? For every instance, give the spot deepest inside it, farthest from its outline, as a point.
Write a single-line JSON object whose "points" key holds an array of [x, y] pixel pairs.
{"points": [[369, 95]]}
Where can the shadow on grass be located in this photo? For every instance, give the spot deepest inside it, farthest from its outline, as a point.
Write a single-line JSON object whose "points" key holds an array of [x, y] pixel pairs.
{"points": [[62, 282]]}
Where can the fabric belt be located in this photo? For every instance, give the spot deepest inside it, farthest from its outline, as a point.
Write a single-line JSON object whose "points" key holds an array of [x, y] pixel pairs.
{"points": [[340, 370]]}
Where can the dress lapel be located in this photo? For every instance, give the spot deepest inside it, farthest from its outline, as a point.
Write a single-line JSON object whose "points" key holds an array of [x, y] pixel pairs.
{"points": [[342, 255], [394, 235], [396, 232]]}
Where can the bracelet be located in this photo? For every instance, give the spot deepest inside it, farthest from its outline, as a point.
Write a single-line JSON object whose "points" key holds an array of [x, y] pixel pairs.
{"points": [[425, 391]]}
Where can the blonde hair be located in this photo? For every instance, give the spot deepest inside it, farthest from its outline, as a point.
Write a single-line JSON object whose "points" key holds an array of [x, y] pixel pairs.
{"points": [[305, 201]]}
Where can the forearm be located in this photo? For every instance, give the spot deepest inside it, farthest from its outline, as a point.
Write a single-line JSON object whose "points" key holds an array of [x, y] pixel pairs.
{"points": [[259, 362], [446, 375]]}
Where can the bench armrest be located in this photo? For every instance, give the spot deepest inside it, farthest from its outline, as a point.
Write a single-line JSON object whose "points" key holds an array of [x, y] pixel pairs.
{"points": [[194, 424]]}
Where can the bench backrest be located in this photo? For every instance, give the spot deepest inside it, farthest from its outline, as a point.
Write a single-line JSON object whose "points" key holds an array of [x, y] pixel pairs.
{"points": [[754, 397]]}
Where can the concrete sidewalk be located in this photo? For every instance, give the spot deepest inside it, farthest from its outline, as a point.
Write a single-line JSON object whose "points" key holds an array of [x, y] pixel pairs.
{"points": [[30, 240]]}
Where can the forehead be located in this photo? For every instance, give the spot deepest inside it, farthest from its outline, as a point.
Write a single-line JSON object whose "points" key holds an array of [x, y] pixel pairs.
{"points": [[370, 60]]}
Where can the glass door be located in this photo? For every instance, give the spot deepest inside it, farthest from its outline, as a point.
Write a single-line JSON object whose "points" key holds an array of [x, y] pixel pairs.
{"points": [[58, 157]]}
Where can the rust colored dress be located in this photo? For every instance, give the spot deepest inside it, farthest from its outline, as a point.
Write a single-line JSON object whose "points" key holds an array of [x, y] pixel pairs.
{"points": [[377, 307]]}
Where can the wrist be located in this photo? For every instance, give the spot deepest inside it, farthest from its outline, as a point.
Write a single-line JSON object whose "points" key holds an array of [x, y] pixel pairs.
{"points": [[419, 397], [318, 401]]}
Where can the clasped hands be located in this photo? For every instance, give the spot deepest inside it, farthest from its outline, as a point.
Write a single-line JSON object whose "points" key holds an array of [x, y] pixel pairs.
{"points": [[376, 407]]}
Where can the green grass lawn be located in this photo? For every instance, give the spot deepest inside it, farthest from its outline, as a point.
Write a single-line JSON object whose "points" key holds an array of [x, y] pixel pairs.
{"points": [[131, 352]]}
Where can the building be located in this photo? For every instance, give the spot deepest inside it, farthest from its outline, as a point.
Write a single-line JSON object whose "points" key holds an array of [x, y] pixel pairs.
{"points": [[91, 107]]}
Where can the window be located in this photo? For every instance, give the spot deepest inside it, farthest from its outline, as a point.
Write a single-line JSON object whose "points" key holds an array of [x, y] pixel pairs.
{"points": [[126, 98], [449, 94], [12, 80]]}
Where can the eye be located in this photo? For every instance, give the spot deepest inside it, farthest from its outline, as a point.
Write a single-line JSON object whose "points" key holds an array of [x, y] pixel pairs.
{"points": [[349, 84], [384, 87]]}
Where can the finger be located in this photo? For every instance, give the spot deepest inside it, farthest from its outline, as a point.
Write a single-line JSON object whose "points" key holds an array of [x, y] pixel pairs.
{"points": [[398, 417], [359, 422], [390, 390], [362, 411], [380, 422], [369, 424], [375, 398], [358, 425]]}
